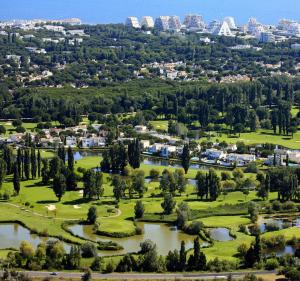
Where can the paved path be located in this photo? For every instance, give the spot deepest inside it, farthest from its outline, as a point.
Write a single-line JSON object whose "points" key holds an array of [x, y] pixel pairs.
{"points": [[144, 276]]}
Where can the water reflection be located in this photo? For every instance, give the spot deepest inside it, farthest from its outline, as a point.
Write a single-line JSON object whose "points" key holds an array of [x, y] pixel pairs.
{"points": [[12, 234], [165, 237]]}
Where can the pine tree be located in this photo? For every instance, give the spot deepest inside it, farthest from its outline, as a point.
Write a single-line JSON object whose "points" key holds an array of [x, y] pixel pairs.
{"points": [[16, 179]]}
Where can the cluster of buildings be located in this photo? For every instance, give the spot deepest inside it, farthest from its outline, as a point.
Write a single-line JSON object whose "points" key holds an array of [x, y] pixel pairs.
{"points": [[31, 24], [152, 143], [227, 27]]}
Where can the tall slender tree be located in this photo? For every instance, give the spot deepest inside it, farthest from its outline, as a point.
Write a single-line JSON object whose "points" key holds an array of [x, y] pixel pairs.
{"points": [[39, 163], [185, 158], [70, 159], [33, 163], [16, 179]]}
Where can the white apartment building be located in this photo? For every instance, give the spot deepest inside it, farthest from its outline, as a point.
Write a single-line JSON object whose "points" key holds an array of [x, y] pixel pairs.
{"points": [[231, 22], [132, 22], [174, 23], [162, 23], [222, 30], [147, 22], [194, 22], [267, 37]]}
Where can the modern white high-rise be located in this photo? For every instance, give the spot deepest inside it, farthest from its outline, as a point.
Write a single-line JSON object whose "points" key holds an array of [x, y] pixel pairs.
{"points": [[162, 23], [231, 22], [174, 23], [213, 25], [194, 22], [252, 25], [132, 22], [284, 24], [267, 37], [294, 29], [147, 22], [222, 30]]}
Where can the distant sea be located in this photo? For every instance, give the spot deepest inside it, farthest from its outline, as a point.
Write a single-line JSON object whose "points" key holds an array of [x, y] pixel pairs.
{"points": [[115, 11]]}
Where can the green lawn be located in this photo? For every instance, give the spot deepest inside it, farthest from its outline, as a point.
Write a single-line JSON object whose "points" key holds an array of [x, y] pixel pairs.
{"points": [[260, 137], [160, 125]]}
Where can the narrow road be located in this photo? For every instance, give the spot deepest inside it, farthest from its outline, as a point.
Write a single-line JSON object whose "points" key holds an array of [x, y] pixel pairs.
{"points": [[150, 276]]}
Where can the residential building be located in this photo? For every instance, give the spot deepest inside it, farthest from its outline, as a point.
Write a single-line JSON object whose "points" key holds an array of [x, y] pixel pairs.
{"points": [[267, 37], [194, 22], [145, 144], [174, 23], [214, 154], [162, 23], [222, 30], [295, 46], [92, 142], [132, 22], [78, 32], [71, 141], [231, 22], [147, 22], [141, 129]]}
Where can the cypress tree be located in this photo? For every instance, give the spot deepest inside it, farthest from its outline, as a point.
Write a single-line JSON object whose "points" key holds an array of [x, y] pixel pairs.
{"points": [[182, 256], [33, 163], [70, 159], [185, 158], [45, 172], [8, 158], [27, 164], [3, 169], [16, 179], [39, 163], [59, 186], [19, 160]]}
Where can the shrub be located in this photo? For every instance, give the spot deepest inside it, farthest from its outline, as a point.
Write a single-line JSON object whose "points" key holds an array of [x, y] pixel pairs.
{"points": [[272, 226], [273, 242], [88, 250], [194, 228], [272, 264], [154, 174], [110, 267], [251, 168], [276, 205]]}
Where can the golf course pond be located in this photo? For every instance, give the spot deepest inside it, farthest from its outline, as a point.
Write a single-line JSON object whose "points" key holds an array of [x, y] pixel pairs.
{"points": [[12, 234], [146, 160], [164, 236]]}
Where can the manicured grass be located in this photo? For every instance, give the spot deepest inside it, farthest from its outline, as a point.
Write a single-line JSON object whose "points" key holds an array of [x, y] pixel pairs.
{"points": [[227, 250], [160, 125], [260, 137], [225, 221], [288, 233]]}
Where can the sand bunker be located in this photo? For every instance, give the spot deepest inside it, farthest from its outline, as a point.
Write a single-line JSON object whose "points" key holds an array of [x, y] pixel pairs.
{"points": [[51, 207], [76, 207]]}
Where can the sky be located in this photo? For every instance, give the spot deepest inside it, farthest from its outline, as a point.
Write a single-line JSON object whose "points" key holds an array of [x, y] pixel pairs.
{"points": [[115, 11]]}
